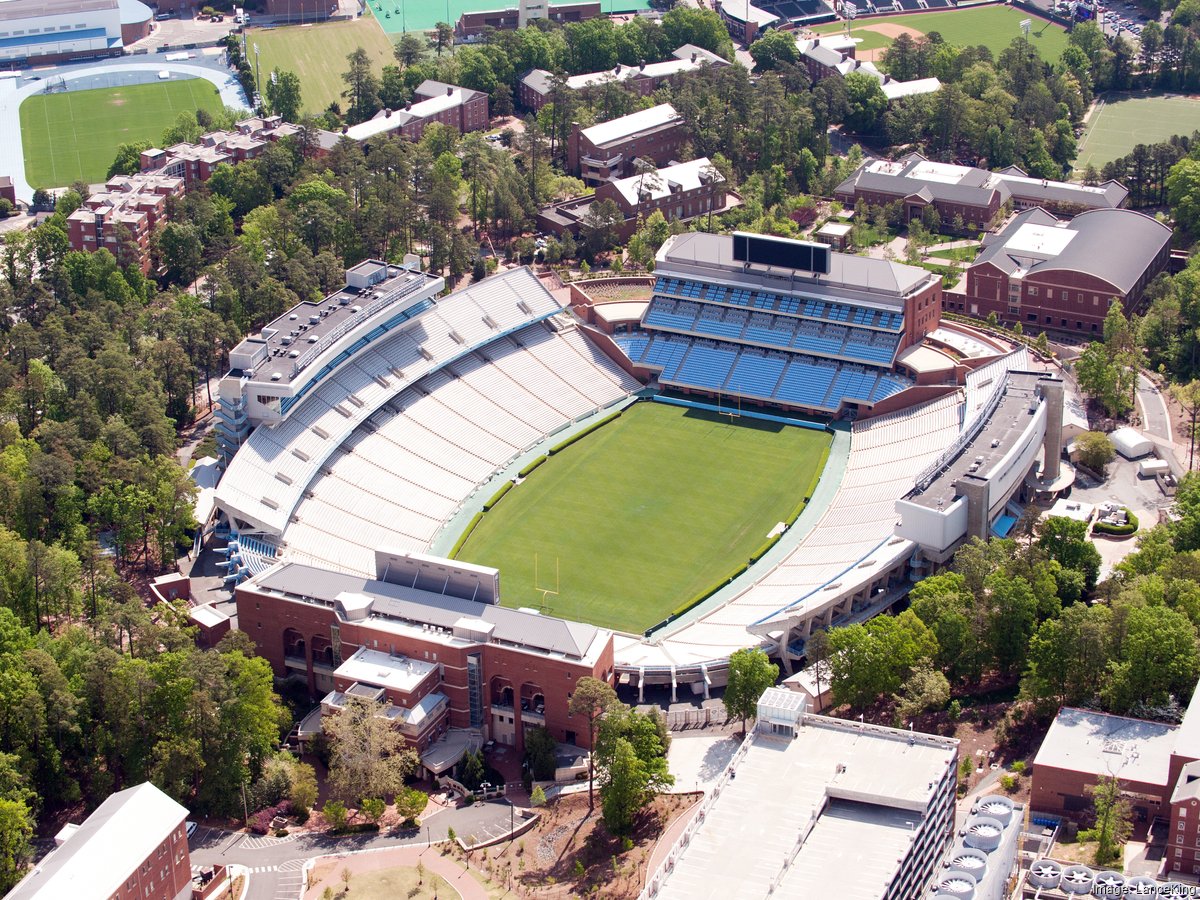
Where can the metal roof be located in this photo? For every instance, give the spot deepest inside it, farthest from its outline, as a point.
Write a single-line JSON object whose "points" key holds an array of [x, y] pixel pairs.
{"points": [[623, 128], [35, 9], [106, 849], [545, 634], [1115, 245]]}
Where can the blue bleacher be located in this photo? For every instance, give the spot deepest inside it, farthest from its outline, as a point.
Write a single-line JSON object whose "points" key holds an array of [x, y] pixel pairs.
{"points": [[714, 325], [870, 346], [888, 385], [755, 375], [805, 383], [776, 331], [665, 352], [633, 344], [665, 314], [821, 342], [853, 384], [705, 367]]}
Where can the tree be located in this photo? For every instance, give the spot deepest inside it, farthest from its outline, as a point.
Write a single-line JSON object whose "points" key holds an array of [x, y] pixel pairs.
{"points": [[1066, 541], [409, 49], [537, 798], [925, 689], [367, 754], [592, 698], [1113, 820], [373, 808], [540, 750], [335, 814], [633, 762], [774, 49], [1183, 193], [1095, 450], [128, 160], [362, 87], [443, 38], [1156, 659], [1188, 397], [410, 803], [865, 103], [283, 95], [598, 227], [16, 830], [750, 673]]}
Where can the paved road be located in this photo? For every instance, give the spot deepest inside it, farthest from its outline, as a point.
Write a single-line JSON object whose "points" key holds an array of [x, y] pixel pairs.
{"points": [[276, 864], [1156, 421]]}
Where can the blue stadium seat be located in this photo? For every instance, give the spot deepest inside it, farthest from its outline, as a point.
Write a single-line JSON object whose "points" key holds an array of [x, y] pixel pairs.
{"points": [[805, 382], [756, 375], [706, 366]]}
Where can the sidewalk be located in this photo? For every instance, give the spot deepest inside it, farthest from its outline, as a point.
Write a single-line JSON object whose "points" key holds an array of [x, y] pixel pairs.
{"points": [[376, 860]]}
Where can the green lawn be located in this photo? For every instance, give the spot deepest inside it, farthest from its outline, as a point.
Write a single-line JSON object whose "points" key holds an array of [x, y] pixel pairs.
{"points": [[423, 15], [959, 254], [402, 881], [645, 513], [317, 53], [1121, 121], [992, 26], [74, 135]]}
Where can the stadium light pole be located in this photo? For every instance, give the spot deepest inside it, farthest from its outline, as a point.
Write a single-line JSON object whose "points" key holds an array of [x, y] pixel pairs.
{"points": [[257, 77]]}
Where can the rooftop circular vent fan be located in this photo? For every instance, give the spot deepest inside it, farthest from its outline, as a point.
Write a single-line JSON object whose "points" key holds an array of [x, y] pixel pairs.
{"points": [[1077, 880], [957, 884], [983, 833], [1045, 873], [998, 808], [968, 860]]}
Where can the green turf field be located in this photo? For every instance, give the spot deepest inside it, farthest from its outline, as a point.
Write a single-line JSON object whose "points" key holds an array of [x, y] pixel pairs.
{"points": [[992, 26], [423, 15], [1121, 121], [645, 513], [73, 135], [317, 53]]}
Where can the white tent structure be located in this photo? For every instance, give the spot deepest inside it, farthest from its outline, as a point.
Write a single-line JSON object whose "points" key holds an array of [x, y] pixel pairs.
{"points": [[1131, 444]]}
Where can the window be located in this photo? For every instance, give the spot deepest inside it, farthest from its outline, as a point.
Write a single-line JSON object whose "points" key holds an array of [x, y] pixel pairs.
{"points": [[1049, 293], [1178, 852], [1180, 827], [1033, 291]]}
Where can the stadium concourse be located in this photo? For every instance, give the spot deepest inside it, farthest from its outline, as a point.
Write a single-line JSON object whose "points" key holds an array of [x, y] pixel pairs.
{"points": [[383, 417]]}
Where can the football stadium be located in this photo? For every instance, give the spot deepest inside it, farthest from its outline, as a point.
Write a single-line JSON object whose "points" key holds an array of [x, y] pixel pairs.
{"points": [[768, 438]]}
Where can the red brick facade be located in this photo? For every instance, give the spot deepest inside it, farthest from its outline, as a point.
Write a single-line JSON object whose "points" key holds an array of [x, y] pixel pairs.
{"points": [[596, 165], [164, 874], [305, 639]]}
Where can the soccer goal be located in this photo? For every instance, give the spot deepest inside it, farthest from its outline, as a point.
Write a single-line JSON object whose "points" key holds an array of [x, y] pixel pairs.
{"points": [[55, 84]]}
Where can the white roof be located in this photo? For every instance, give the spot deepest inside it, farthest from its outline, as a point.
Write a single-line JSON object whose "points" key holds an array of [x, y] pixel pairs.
{"points": [[936, 171], [668, 180], [383, 670], [113, 841], [1040, 240], [835, 229], [893, 89], [1081, 740], [207, 615], [781, 783], [1070, 509], [1130, 442], [385, 121], [634, 123]]}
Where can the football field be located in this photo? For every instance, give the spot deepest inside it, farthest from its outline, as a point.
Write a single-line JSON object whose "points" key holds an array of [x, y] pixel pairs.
{"points": [[73, 135], [992, 26], [639, 517], [1120, 121]]}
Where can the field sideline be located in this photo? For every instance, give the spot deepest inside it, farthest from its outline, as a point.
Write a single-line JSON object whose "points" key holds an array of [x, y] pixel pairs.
{"points": [[1120, 121], [73, 135], [993, 26], [645, 513], [317, 53]]}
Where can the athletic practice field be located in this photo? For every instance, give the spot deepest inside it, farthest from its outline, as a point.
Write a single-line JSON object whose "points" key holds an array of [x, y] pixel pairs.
{"points": [[423, 15], [317, 53], [645, 513], [1121, 121], [73, 135], [993, 26]]}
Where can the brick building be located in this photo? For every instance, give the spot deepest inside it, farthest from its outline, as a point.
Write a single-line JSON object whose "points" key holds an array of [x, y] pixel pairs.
{"points": [[7, 190], [680, 192], [607, 151], [122, 216], [1055, 275], [1156, 764], [196, 162], [427, 638], [133, 847], [976, 195], [832, 56], [536, 85], [433, 101], [471, 25]]}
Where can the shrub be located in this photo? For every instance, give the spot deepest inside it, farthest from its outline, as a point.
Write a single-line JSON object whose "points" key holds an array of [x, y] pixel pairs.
{"points": [[496, 496], [462, 538], [626, 844], [563, 445], [579, 869], [538, 797], [1130, 526], [335, 814], [1019, 767], [1009, 783], [530, 466], [282, 832]]}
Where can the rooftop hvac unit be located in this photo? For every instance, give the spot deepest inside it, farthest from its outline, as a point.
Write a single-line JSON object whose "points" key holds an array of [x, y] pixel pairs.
{"points": [[1141, 886], [1077, 880], [983, 833], [995, 807], [966, 859], [1109, 884], [957, 884], [1045, 873]]}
